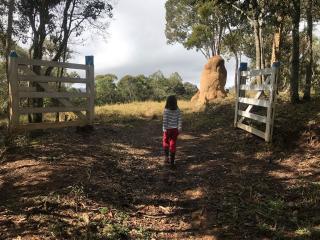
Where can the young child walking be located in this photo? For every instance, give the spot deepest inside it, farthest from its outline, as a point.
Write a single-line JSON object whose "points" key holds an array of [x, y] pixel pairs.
{"points": [[172, 126]]}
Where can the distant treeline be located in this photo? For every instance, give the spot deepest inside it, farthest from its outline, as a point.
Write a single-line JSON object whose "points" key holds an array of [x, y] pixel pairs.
{"points": [[141, 88]]}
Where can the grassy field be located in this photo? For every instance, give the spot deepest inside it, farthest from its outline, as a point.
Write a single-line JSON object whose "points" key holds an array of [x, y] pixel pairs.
{"points": [[136, 110], [112, 184]]}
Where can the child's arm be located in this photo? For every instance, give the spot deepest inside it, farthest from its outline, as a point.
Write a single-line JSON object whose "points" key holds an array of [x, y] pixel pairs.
{"points": [[180, 121], [165, 121]]}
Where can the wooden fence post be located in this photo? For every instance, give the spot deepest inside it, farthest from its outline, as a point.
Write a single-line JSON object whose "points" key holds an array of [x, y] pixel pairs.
{"points": [[243, 67], [275, 68], [272, 100], [13, 91], [90, 88]]}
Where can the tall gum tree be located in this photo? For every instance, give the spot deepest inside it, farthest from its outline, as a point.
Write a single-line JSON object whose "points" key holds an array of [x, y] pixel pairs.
{"points": [[196, 24], [295, 61], [309, 17]]}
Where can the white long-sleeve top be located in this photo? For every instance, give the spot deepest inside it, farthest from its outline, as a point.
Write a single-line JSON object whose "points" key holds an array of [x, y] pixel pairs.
{"points": [[172, 119]]}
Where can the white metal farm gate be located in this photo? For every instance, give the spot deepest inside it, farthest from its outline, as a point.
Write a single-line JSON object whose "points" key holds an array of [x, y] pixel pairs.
{"points": [[256, 93], [24, 85]]}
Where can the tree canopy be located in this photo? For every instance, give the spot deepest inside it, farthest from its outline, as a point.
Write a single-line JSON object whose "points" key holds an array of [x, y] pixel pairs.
{"points": [[196, 24], [263, 31], [141, 88]]}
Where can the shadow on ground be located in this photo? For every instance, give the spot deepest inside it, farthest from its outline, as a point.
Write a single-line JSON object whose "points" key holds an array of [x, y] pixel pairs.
{"points": [[112, 183]]}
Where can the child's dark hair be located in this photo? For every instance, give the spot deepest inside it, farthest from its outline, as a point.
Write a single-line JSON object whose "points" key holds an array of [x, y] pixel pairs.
{"points": [[171, 103]]}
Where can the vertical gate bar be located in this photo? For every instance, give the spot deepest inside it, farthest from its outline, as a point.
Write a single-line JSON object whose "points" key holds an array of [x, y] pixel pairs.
{"points": [[237, 99], [90, 88], [13, 91], [275, 69], [270, 111], [92, 94], [88, 98], [243, 67]]}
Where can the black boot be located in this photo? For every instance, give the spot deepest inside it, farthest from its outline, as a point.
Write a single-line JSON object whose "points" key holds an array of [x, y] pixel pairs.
{"points": [[172, 158], [166, 156]]}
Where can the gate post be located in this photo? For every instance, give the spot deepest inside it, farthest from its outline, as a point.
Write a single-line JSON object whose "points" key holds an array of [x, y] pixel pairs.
{"points": [[243, 67], [13, 91], [273, 99], [90, 88]]}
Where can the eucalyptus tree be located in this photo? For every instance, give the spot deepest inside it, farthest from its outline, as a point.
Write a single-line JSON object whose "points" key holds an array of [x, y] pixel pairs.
{"points": [[6, 20], [190, 90], [9, 31], [176, 86], [258, 14], [3, 26], [134, 88], [309, 18], [311, 10], [233, 44], [275, 13], [196, 24], [295, 56], [59, 21], [106, 89]]}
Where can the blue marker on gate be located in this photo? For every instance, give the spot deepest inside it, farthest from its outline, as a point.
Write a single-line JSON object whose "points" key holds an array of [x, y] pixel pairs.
{"points": [[89, 60], [243, 66]]}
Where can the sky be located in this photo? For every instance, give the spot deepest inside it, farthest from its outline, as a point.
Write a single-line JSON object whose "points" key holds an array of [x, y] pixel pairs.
{"points": [[137, 45]]}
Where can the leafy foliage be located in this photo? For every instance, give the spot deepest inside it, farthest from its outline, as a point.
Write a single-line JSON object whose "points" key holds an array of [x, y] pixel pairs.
{"points": [[141, 88], [196, 24], [59, 21], [106, 89]]}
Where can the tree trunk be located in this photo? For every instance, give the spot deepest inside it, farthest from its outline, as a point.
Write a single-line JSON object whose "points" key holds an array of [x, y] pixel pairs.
{"points": [[256, 29], [9, 32], [257, 43], [8, 43], [221, 30], [307, 88], [60, 74], [275, 57], [262, 59], [294, 79], [39, 38]]}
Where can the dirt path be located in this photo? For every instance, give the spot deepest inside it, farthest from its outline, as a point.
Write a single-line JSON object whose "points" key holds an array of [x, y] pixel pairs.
{"points": [[112, 184]]}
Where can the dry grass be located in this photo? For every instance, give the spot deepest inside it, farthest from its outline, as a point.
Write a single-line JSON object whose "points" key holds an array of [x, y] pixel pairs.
{"points": [[136, 110], [121, 112], [132, 111]]}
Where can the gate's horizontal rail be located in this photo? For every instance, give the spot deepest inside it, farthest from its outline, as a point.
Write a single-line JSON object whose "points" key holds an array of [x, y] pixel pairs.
{"points": [[21, 73], [27, 89], [45, 79], [255, 87], [256, 72], [64, 101], [47, 125], [52, 110], [52, 95], [33, 62], [253, 116], [257, 102], [251, 130]]}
